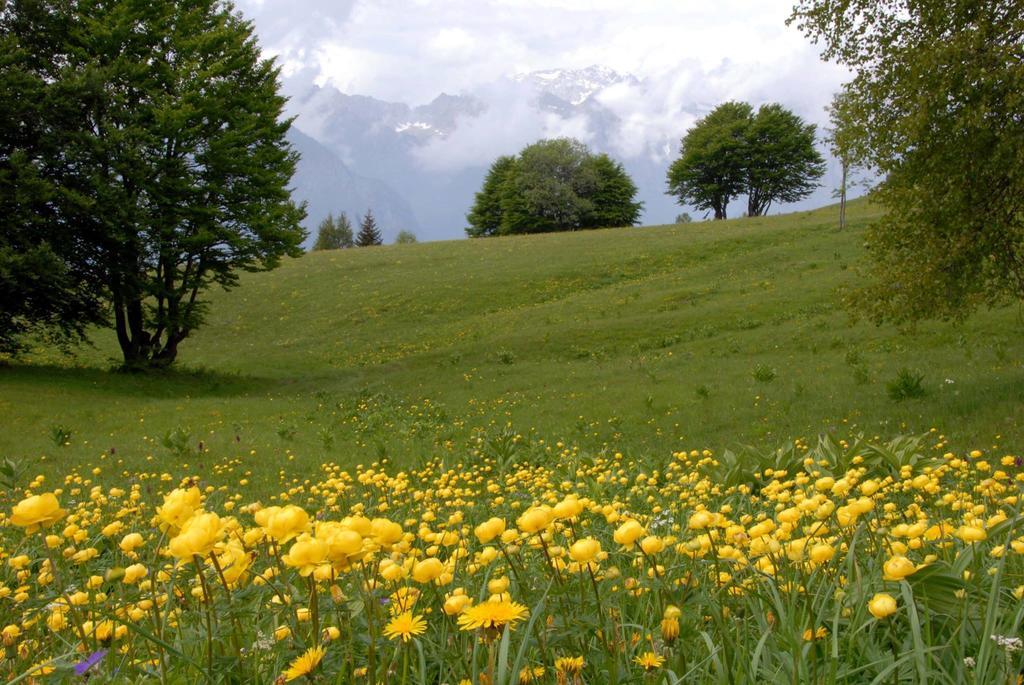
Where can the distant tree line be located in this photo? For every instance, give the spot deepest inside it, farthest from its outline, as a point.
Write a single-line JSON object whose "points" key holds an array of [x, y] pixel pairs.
{"points": [[335, 233], [560, 185]]}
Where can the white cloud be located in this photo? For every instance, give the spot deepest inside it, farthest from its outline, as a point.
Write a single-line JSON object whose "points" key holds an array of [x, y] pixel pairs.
{"points": [[413, 49], [509, 123], [690, 55]]}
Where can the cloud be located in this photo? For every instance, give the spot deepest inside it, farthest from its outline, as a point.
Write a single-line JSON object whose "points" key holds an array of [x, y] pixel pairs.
{"points": [[510, 122], [410, 50], [689, 54]]}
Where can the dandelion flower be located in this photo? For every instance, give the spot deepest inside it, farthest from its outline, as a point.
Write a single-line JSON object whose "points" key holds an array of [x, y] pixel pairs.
{"points": [[304, 665], [405, 626], [649, 661], [569, 664], [492, 615]]}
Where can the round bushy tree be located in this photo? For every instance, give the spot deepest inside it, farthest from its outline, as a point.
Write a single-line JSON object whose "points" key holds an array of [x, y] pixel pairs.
{"points": [[553, 185]]}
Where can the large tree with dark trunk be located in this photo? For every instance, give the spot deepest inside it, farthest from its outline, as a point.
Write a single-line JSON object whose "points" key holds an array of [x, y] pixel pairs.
{"points": [[709, 171], [159, 147], [769, 156]]}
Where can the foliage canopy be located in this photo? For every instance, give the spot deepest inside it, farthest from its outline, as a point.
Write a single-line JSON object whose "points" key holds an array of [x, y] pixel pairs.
{"points": [[334, 233], [935, 107], [553, 185], [153, 136], [769, 156]]}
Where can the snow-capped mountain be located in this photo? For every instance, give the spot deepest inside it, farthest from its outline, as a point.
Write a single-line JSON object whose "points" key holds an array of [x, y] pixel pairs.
{"points": [[423, 164], [434, 156], [575, 86]]}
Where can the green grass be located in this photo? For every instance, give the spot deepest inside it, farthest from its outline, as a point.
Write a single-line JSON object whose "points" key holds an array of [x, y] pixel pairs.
{"points": [[646, 340]]}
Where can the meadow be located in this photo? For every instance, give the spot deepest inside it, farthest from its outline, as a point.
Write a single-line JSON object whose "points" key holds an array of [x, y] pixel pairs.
{"points": [[650, 340], [660, 455]]}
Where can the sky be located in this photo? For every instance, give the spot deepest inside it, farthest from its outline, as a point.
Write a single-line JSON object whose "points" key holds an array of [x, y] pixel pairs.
{"points": [[411, 50], [689, 55]]}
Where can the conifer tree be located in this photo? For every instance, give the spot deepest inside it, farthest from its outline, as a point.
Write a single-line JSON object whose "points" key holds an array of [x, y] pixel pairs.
{"points": [[369, 234], [334, 233]]}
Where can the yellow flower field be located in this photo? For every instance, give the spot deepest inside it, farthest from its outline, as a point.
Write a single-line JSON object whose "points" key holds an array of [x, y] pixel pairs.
{"points": [[841, 562]]}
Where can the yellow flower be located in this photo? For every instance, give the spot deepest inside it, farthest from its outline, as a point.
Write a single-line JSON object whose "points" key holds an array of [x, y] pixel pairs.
{"points": [[529, 674], [700, 520], [130, 542], [898, 568], [178, 507], [197, 537], [456, 602], [822, 553], [535, 519], [971, 533], [652, 544], [628, 533], [489, 529], [135, 573], [304, 665], [306, 554], [649, 661], [283, 523], [669, 630], [569, 664], [37, 511], [818, 634], [385, 533], [427, 570], [492, 615], [882, 605], [405, 626], [10, 634], [584, 550]]}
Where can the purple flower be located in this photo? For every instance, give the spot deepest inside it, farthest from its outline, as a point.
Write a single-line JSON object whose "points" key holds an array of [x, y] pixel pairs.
{"points": [[93, 659]]}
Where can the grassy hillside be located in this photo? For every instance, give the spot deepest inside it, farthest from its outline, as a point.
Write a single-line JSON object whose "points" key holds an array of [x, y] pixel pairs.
{"points": [[648, 340]]}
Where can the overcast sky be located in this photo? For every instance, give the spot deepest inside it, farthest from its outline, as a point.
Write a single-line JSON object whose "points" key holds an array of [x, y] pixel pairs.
{"points": [[411, 50]]}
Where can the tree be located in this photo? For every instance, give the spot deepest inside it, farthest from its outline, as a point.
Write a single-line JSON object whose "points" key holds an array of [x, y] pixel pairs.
{"points": [[549, 189], [709, 171], [334, 233], [684, 218], [768, 156], [485, 216], [844, 142], [937, 96], [159, 145], [553, 185], [781, 163], [613, 195], [405, 238], [44, 290], [369, 234]]}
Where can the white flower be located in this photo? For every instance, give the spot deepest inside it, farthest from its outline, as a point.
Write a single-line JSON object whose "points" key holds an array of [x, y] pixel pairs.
{"points": [[1010, 644], [969, 661]]}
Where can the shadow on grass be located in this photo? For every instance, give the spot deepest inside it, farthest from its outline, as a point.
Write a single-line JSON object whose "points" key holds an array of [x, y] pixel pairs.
{"points": [[176, 382]]}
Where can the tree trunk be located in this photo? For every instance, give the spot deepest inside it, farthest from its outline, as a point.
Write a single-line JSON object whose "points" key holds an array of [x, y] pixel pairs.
{"points": [[720, 212], [166, 356], [842, 197]]}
